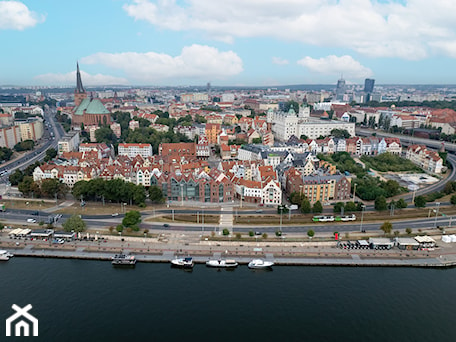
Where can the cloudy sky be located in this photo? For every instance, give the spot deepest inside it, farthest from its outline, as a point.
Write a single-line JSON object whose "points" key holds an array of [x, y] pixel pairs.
{"points": [[227, 42]]}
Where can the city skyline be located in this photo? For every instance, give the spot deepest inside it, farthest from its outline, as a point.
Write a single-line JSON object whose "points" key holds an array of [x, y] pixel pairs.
{"points": [[235, 43]]}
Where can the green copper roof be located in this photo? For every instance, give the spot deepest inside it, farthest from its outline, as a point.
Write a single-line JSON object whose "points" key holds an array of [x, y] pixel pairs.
{"points": [[91, 107]]}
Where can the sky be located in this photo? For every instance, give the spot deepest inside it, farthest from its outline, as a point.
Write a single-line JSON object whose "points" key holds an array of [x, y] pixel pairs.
{"points": [[227, 42]]}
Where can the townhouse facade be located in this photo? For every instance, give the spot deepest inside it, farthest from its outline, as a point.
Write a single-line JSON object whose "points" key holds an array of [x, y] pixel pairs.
{"points": [[426, 159]]}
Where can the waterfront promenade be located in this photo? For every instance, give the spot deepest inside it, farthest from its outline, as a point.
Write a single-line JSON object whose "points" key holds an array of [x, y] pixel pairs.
{"points": [[166, 247]]}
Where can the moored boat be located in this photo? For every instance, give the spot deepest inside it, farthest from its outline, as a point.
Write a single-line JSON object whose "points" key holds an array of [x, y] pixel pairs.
{"points": [[5, 255], [186, 262], [260, 264], [222, 263], [123, 260]]}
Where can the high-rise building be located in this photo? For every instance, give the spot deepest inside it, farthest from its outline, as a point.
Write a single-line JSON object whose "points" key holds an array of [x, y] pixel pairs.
{"points": [[340, 89], [369, 85]]}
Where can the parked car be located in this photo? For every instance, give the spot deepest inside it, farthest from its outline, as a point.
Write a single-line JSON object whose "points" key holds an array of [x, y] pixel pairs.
{"points": [[166, 225]]}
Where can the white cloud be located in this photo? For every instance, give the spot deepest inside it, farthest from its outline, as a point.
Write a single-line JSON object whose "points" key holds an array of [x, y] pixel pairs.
{"points": [[334, 65], [404, 29], [194, 62], [279, 61], [14, 15], [87, 79]]}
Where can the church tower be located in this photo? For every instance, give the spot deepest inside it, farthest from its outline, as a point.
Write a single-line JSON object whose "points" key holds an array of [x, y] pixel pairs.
{"points": [[79, 93]]}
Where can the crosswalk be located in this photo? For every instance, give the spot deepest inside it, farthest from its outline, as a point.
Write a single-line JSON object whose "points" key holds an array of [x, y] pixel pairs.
{"points": [[226, 219]]}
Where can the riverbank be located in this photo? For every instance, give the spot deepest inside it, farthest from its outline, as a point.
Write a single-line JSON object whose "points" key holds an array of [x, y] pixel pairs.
{"points": [[302, 254]]}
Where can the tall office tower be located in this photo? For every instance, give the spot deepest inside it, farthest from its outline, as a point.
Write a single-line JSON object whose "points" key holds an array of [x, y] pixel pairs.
{"points": [[369, 85], [209, 91], [340, 89]]}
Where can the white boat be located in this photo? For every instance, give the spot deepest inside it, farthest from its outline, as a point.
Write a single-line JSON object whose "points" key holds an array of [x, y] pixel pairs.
{"points": [[123, 260], [5, 255], [186, 262], [222, 263], [260, 263]]}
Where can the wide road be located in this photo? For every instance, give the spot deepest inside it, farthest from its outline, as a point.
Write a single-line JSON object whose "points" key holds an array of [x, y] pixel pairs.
{"points": [[21, 216], [40, 152]]}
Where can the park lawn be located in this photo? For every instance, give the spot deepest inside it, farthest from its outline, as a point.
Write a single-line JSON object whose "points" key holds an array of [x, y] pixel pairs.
{"points": [[389, 162], [95, 208], [27, 204]]}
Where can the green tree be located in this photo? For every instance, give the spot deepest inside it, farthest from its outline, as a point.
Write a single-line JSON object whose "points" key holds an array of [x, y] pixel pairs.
{"points": [[156, 194], [310, 233], [26, 185], [420, 201], [226, 232], [291, 104], [251, 233], [5, 153], [119, 228], [401, 204], [51, 153], [53, 187], [380, 203], [16, 177], [106, 135], [448, 189], [338, 207], [386, 227], [317, 207], [350, 206], [256, 141], [305, 206], [453, 199], [296, 198], [132, 218], [408, 231], [340, 133], [74, 223]]}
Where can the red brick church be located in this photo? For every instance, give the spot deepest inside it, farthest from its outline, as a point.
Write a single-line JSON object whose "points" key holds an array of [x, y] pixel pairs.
{"points": [[88, 111]]}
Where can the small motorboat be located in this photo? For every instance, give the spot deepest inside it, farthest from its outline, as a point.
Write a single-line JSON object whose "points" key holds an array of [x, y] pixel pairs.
{"points": [[5, 255], [186, 262], [260, 263], [222, 263]]}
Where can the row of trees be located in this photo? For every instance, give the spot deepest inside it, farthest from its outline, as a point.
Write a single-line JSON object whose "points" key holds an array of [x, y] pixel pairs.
{"points": [[47, 188], [25, 145], [116, 190]]}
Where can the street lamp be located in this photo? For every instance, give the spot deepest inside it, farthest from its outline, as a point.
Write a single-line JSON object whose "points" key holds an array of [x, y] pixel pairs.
{"points": [[354, 192], [362, 218], [436, 214], [182, 194]]}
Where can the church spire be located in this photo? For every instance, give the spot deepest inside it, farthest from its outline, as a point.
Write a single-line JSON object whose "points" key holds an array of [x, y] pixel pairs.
{"points": [[79, 87]]}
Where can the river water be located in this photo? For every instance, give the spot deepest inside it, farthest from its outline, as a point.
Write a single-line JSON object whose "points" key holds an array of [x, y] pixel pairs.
{"points": [[77, 300]]}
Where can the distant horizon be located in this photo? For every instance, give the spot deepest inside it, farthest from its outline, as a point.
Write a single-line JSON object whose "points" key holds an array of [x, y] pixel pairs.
{"points": [[214, 86]]}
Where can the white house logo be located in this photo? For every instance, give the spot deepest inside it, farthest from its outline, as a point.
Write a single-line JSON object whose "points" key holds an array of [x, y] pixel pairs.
{"points": [[21, 322]]}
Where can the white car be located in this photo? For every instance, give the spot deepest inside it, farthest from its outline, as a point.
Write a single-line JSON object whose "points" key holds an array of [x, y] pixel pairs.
{"points": [[31, 220]]}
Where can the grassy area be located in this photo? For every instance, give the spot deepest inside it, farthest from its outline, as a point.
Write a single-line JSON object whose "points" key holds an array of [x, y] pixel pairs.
{"points": [[27, 204], [306, 219], [192, 218], [96, 208], [389, 162]]}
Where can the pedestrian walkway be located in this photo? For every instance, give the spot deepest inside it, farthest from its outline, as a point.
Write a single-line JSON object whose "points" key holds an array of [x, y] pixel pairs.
{"points": [[226, 219], [58, 207]]}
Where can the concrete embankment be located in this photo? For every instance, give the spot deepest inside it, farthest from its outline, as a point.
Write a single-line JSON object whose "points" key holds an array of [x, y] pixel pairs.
{"points": [[354, 261]]}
